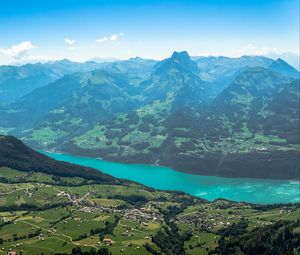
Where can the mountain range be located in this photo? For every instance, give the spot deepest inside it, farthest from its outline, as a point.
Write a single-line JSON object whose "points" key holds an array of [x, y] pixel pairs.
{"points": [[234, 117]]}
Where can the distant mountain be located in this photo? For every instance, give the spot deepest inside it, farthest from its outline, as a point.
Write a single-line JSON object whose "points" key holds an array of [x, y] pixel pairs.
{"points": [[283, 67], [69, 105], [213, 68], [74, 103], [134, 67], [251, 89], [229, 137], [283, 109], [17, 81], [177, 77], [221, 71], [222, 116], [178, 62], [292, 59], [103, 60]]}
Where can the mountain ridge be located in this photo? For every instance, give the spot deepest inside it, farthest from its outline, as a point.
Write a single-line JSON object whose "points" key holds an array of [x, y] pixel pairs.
{"points": [[169, 113], [16, 155]]}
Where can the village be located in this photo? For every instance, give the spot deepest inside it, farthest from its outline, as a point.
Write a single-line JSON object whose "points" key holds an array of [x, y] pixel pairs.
{"points": [[142, 215]]}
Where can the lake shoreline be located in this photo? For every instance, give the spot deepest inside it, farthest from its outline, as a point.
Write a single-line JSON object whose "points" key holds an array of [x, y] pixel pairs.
{"points": [[169, 164], [263, 191]]}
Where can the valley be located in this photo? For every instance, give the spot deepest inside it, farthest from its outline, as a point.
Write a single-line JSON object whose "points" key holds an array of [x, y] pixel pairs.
{"points": [[149, 127]]}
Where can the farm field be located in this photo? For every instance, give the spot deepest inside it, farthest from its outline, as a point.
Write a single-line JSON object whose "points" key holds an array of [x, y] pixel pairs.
{"points": [[39, 215]]}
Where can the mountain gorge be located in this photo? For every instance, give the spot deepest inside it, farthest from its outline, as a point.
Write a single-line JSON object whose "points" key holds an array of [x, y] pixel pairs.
{"points": [[235, 117]]}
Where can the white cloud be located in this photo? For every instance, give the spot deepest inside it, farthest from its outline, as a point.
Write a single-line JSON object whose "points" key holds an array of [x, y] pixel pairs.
{"points": [[101, 40], [69, 41], [114, 37], [18, 51], [251, 49]]}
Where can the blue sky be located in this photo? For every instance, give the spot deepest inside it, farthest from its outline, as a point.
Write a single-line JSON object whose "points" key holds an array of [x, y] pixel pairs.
{"points": [[84, 29]]}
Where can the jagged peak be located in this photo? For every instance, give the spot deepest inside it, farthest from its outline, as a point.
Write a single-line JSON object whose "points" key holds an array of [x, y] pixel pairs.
{"points": [[183, 56], [178, 60], [280, 60], [281, 66]]}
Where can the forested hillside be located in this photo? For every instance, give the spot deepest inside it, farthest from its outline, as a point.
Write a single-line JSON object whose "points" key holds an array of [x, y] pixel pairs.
{"points": [[234, 117]]}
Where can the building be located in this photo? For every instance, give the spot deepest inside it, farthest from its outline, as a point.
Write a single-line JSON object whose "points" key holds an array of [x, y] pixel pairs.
{"points": [[12, 253], [108, 241]]}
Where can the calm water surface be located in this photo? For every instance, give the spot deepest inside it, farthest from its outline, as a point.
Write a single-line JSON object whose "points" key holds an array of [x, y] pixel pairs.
{"points": [[208, 187]]}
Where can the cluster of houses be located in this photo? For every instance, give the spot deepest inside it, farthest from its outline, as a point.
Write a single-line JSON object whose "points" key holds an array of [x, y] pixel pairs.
{"points": [[133, 214], [201, 221], [142, 215], [99, 208]]}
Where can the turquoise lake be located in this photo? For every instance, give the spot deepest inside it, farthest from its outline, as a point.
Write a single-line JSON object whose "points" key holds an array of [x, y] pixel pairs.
{"points": [[208, 187]]}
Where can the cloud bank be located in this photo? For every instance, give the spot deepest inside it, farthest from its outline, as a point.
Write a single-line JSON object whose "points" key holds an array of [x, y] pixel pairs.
{"points": [[18, 51]]}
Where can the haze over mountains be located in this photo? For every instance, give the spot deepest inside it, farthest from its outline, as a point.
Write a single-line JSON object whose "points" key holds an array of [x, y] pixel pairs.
{"points": [[234, 117]]}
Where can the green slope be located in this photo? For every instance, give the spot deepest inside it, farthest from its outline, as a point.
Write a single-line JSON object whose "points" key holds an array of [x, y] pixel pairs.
{"points": [[230, 137], [242, 121]]}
